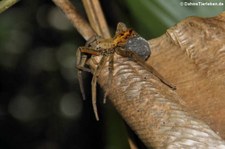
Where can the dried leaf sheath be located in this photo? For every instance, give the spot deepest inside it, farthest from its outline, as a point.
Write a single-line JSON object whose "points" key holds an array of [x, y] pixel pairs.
{"points": [[192, 55], [139, 112], [158, 119]]}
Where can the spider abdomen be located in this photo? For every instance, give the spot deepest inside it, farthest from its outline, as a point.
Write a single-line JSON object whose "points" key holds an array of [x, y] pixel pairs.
{"points": [[139, 45]]}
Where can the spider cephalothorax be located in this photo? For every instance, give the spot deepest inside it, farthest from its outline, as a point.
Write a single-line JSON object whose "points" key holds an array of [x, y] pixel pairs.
{"points": [[126, 43]]}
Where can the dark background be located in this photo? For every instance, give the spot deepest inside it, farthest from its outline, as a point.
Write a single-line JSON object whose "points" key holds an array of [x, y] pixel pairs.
{"points": [[40, 100]]}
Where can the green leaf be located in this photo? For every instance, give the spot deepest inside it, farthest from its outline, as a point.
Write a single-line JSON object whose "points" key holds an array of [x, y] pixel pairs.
{"points": [[155, 16]]}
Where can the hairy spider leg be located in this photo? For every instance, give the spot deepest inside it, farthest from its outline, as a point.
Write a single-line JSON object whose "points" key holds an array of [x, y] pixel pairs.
{"points": [[88, 50], [80, 62], [140, 61], [94, 82], [110, 76]]}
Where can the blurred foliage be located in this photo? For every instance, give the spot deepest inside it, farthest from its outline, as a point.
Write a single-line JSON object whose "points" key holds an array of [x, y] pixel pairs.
{"points": [[157, 15], [41, 105], [151, 18]]}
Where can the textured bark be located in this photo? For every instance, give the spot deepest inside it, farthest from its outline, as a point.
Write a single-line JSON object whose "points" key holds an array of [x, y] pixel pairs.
{"points": [[190, 55]]}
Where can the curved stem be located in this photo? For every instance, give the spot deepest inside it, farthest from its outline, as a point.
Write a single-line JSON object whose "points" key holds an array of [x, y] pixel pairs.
{"points": [[5, 4], [73, 15], [96, 17]]}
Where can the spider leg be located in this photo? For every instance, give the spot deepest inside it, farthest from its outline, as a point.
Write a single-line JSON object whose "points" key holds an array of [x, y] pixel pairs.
{"points": [[81, 60], [110, 76], [140, 61], [80, 64], [94, 82], [92, 40]]}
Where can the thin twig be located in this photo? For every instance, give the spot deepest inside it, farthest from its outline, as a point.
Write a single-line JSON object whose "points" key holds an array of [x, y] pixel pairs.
{"points": [[78, 22], [5, 4], [96, 17]]}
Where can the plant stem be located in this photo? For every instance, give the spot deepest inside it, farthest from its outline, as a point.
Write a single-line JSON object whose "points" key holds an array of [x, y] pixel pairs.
{"points": [[5, 4], [77, 20]]}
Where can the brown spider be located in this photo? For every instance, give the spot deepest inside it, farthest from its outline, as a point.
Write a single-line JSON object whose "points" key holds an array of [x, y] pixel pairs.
{"points": [[126, 43]]}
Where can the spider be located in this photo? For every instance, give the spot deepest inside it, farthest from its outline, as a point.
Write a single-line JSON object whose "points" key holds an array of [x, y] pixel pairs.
{"points": [[126, 43]]}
